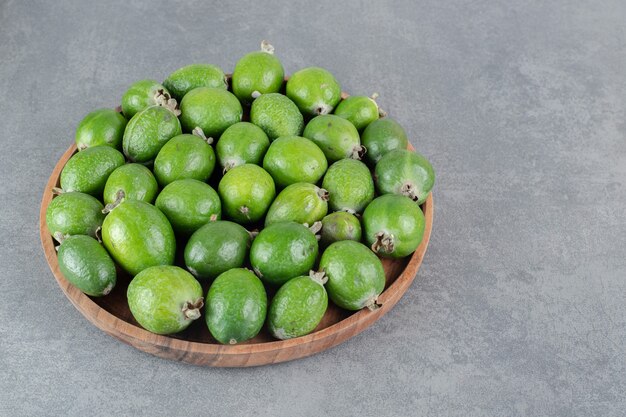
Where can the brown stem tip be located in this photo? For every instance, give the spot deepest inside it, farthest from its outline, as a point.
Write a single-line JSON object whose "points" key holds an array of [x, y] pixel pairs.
{"points": [[410, 191], [191, 309], [384, 243]]}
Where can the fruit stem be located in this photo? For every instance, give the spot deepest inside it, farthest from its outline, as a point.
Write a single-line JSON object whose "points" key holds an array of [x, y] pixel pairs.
{"points": [[57, 191], [373, 304], [253, 234], [358, 151], [255, 94], [59, 237], [384, 243], [374, 96], [316, 227], [163, 99], [200, 133], [323, 194], [191, 309], [267, 47], [320, 277], [119, 197], [322, 109], [408, 190], [245, 211], [98, 234]]}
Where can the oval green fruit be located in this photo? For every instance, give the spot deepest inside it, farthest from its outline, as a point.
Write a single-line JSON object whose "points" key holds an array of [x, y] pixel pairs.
{"points": [[358, 110], [211, 109], [87, 265], [282, 251], [215, 248], [74, 213], [138, 236], [406, 173], [350, 186], [189, 204], [298, 307], [88, 171], [314, 90], [142, 94], [336, 137], [242, 143], [256, 73], [185, 79], [292, 159], [276, 115], [165, 299], [246, 192], [300, 202], [355, 275], [184, 156], [135, 180], [340, 226], [101, 127], [236, 306], [393, 225], [382, 136], [148, 131]]}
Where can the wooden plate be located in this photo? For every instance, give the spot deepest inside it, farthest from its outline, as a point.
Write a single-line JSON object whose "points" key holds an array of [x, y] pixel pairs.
{"points": [[196, 345]]}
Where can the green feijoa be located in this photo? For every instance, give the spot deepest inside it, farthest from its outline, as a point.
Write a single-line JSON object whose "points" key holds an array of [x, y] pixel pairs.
{"points": [[338, 226], [350, 186], [143, 94], [336, 137], [138, 236], [189, 204], [88, 171], [282, 251], [382, 136], [257, 73], [242, 143], [393, 225], [135, 180], [405, 172], [314, 90], [215, 248], [101, 127], [211, 109], [298, 307], [87, 265], [246, 192], [359, 110], [300, 202], [184, 156], [74, 214], [292, 159], [276, 115], [355, 275], [185, 79], [236, 306], [165, 299], [148, 131]]}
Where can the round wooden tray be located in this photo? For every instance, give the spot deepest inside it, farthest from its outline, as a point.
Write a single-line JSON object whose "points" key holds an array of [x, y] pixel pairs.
{"points": [[196, 345]]}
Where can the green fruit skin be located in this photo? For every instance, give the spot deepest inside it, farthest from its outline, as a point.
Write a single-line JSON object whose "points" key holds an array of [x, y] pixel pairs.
{"points": [[276, 115], [358, 110], [297, 308], [293, 159], [132, 244], [101, 127], [139, 96], [247, 191], [402, 167], [211, 109], [184, 156], [236, 306], [88, 171], [87, 265], [340, 226], [355, 274], [242, 143], [399, 218], [300, 202], [382, 136], [135, 180], [147, 132], [350, 186], [314, 90], [157, 298], [215, 248], [257, 71], [189, 204], [282, 251], [185, 79], [74, 213], [336, 137]]}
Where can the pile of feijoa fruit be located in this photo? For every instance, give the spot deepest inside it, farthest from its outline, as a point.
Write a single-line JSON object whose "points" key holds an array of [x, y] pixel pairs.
{"points": [[213, 192]]}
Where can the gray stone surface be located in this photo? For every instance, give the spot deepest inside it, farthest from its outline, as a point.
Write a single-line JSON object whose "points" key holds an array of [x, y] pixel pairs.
{"points": [[520, 306]]}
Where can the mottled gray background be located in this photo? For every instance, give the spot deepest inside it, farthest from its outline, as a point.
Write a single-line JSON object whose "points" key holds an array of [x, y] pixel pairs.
{"points": [[520, 306]]}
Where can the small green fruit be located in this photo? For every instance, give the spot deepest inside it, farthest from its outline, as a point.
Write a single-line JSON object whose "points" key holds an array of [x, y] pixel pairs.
{"points": [[135, 180], [101, 127], [336, 137], [88, 171], [382, 136], [246, 192], [340, 226], [292, 159], [350, 186], [314, 90], [147, 132], [74, 213], [359, 110], [185, 79], [257, 73], [242, 143], [141, 95], [276, 115], [184, 156], [406, 173], [300, 202], [211, 109]]}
